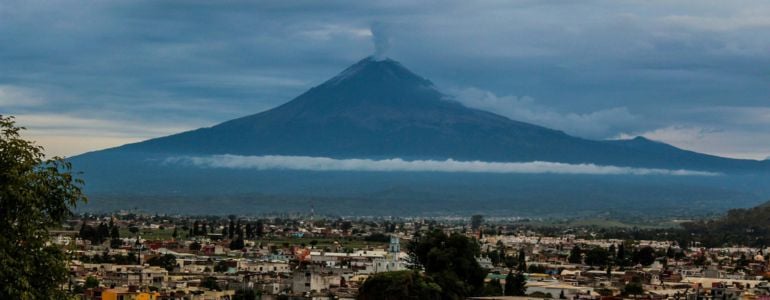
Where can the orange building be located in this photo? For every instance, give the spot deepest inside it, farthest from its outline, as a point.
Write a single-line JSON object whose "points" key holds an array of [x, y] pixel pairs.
{"points": [[114, 294]]}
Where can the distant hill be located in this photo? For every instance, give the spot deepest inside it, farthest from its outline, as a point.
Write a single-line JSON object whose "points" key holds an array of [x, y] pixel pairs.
{"points": [[749, 226], [378, 109]]}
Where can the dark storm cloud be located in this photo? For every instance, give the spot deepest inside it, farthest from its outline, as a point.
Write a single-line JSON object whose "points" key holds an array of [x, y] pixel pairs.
{"points": [[599, 69]]}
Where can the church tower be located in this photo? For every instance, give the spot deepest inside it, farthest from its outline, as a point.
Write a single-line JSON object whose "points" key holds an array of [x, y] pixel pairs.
{"points": [[395, 247]]}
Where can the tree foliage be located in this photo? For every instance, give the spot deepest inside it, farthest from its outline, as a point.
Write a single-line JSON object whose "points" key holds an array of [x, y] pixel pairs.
{"points": [[494, 257], [750, 227], [246, 294], [237, 244], [575, 255], [115, 241], [377, 238], [35, 194], [634, 287], [476, 221], [597, 256], [399, 285], [91, 282], [210, 283], [129, 259], [101, 233], [522, 261], [195, 246], [221, 267], [645, 256], [493, 288], [450, 261], [620, 257], [515, 284], [166, 261]]}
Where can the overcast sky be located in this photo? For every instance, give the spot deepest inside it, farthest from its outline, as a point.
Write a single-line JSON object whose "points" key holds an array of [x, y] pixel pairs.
{"points": [[89, 75]]}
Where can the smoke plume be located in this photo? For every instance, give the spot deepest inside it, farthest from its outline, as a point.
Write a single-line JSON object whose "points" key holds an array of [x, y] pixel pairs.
{"points": [[381, 41]]}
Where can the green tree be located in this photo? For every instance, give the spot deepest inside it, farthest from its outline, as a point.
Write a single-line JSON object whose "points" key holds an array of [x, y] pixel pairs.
{"points": [[221, 267], [91, 282], [399, 285], [237, 244], [742, 262], [493, 288], [231, 227], [522, 261], [634, 287], [509, 283], [196, 229], [515, 284], [597, 256], [700, 260], [246, 294], [346, 226], [102, 232], [195, 246], [35, 194], [646, 256], [670, 253], [494, 257], [536, 269], [476, 221], [620, 257], [166, 261], [115, 241], [575, 255], [510, 261], [210, 283], [260, 228], [114, 233], [450, 261]]}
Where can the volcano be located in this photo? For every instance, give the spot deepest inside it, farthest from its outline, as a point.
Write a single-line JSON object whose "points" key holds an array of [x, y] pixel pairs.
{"points": [[380, 109], [374, 109]]}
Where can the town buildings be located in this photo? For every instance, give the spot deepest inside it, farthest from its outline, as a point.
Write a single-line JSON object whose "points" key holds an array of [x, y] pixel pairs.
{"points": [[302, 259]]}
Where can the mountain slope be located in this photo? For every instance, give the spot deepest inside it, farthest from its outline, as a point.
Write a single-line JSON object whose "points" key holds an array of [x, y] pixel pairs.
{"points": [[379, 109], [677, 156]]}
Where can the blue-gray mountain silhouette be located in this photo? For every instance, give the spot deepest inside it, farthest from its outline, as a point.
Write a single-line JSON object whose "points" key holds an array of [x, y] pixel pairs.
{"points": [[380, 109]]}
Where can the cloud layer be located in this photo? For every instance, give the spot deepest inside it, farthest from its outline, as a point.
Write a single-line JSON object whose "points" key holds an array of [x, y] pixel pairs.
{"points": [[598, 124], [273, 162]]}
